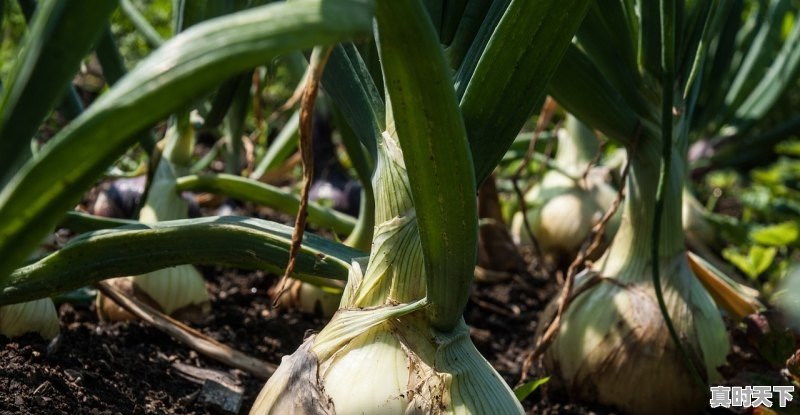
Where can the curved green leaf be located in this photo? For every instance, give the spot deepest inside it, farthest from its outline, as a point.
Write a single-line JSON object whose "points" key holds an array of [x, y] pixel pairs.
{"points": [[113, 70], [604, 37], [524, 390], [781, 74], [80, 222], [650, 42], [350, 86], [132, 250], [59, 37], [514, 69], [221, 103], [186, 67], [71, 106], [722, 53], [109, 57], [361, 236], [264, 194], [757, 58], [235, 122], [477, 45], [436, 153], [604, 109], [475, 13], [186, 13], [452, 13]]}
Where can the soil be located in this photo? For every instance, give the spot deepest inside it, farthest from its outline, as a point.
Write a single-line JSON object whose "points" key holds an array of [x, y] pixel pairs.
{"points": [[130, 368]]}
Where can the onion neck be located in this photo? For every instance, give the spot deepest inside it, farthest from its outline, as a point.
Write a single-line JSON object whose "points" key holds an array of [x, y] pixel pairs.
{"points": [[180, 141], [577, 146], [628, 256], [395, 272], [163, 199]]}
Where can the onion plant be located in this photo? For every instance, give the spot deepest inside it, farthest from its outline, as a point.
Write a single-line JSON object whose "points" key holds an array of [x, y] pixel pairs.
{"points": [[399, 328], [647, 74], [458, 86]]}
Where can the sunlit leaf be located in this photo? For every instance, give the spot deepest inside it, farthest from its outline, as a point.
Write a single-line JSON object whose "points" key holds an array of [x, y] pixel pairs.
{"points": [[522, 391], [757, 260], [789, 147], [782, 234]]}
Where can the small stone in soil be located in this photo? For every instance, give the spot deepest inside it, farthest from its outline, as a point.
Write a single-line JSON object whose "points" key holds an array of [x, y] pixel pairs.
{"points": [[227, 398], [53, 346], [73, 375]]}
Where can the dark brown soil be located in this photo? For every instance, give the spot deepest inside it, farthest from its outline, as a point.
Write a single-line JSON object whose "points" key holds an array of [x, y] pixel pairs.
{"points": [[130, 368], [127, 368]]}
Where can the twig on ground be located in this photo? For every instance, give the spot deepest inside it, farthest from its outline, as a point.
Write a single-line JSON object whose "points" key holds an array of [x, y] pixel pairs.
{"points": [[187, 335]]}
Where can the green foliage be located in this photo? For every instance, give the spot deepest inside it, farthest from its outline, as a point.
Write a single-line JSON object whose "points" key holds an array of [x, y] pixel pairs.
{"points": [[59, 37], [432, 120], [132, 44], [759, 222], [150, 93], [789, 147], [778, 235], [254, 191], [524, 390], [753, 263], [13, 27], [229, 241]]}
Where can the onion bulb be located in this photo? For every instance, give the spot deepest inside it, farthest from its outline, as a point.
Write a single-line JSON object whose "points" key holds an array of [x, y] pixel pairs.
{"points": [[175, 289], [37, 316], [385, 360], [614, 348]]}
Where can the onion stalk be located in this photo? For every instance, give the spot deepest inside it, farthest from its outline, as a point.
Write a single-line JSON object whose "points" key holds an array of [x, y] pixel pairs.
{"points": [[381, 335], [565, 206]]}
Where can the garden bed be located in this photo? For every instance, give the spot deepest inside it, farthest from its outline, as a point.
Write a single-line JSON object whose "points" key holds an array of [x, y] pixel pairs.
{"points": [[130, 368]]}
